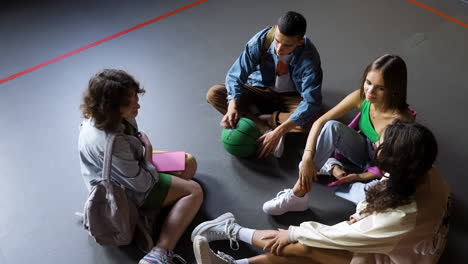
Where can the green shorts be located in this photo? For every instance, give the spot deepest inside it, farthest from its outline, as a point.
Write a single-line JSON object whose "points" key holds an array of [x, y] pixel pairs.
{"points": [[159, 192]]}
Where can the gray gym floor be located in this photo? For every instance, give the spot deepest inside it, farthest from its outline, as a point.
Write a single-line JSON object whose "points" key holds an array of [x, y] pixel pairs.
{"points": [[176, 60]]}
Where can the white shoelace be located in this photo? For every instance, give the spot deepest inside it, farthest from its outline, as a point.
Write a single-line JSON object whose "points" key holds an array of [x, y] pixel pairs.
{"points": [[174, 255], [225, 257], [229, 230], [284, 196]]}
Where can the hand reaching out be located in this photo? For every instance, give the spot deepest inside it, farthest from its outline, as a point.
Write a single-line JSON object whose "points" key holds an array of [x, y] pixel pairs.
{"points": [[231, 117], [307, 174], [278, 242], [365, 176], [268, 143]]}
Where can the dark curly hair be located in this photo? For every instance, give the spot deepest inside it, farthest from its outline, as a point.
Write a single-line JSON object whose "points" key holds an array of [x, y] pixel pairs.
{"points": [[394, 74], [107, 92], [407, 154]]}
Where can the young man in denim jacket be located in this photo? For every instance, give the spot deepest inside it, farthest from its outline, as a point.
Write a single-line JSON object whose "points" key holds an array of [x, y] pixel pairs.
{"points": [[276, 82]]}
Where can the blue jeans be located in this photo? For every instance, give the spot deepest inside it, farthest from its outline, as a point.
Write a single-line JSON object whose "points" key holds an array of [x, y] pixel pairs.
{"points": [[355, 147]]}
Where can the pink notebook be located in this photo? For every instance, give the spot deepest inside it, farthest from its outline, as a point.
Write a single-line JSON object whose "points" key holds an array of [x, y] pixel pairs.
{"points": [[169, 161]]}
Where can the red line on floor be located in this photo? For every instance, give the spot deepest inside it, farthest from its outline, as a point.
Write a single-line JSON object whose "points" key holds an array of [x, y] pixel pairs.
{"points": [[16, 75], [438, 13]]}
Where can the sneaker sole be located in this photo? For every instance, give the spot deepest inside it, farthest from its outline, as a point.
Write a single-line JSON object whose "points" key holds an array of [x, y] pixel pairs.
{"points": [[208, 224], [285, 211], [200, 244]]}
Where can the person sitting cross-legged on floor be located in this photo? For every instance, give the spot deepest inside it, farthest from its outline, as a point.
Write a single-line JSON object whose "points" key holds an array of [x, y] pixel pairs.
{"points": [[276, 82]]}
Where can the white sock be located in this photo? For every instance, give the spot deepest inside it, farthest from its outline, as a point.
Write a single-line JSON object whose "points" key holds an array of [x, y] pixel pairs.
{"points": [[242, 261], [246, 235]]}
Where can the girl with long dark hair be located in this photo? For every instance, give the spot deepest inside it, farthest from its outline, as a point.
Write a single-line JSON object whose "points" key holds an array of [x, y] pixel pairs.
{"points": [[380, 99]]}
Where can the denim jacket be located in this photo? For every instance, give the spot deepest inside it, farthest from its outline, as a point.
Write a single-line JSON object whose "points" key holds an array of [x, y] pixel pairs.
{"points": [[304, 66]]}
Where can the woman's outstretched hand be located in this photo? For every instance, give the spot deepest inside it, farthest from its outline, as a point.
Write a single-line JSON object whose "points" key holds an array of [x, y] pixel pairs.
{"points": [[278, 242], [353, 177], [307, 174], [231, 117]]}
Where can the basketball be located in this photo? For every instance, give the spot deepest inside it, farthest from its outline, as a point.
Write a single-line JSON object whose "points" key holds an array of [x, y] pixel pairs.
{"points": [[242, 140]]}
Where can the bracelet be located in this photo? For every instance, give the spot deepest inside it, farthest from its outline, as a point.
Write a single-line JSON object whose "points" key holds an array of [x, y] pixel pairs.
{"points": [[308, 150]]}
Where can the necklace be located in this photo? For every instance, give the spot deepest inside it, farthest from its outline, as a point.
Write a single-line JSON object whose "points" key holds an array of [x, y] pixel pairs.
{"points": [[372, 112]]}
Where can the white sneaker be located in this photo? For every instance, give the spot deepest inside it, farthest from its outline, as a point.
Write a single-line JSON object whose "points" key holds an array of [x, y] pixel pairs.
{"points": [[160, 256], [204, 254], [224, 227], [325, 170], [286, 201]]}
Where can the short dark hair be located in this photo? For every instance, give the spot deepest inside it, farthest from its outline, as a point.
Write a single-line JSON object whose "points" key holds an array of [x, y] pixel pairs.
{"points": [[108, 91], [394, 73], [292, 24], [407, 154]]}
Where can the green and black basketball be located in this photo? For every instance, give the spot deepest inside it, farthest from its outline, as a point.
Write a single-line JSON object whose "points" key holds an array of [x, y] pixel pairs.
{"points": [[242, 140]]}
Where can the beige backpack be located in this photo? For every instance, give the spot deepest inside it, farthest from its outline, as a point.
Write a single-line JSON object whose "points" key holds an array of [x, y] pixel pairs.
{"points": [[109, 216]]}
